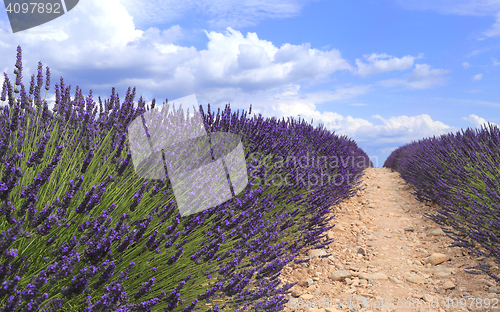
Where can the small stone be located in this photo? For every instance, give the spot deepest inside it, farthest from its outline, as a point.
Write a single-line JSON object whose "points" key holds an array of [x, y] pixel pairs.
{"points": [[495, 290], [394, 280], [306, 282], [428, 298], [381, 276], [367, 276], [338, 227], [435, 258], [489, 283], [316, 252], [330, 235], [296, 293], [362, 251], [413, 278], [442, 274], [448, 285], [435, 232], [339, 275], [307, 296]]}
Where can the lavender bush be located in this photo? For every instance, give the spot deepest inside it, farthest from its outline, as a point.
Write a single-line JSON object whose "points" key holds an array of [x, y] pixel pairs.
{"points": [[81, 231], [460, 173]]}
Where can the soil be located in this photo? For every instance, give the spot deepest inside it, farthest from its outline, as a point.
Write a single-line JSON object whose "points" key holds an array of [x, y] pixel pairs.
{"points": [[386, 256]]}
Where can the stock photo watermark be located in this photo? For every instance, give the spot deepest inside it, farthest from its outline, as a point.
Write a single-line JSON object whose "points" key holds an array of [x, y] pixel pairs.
{"points": [[205, 170], [326, 170], [26, 14], [362, 302]]}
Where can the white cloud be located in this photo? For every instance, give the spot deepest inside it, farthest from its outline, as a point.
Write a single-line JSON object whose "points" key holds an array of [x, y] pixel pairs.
{"points": [[101, 45], [495, 29], [287, 101], [477, 121], [477, 77], [400, 129], [495, 62], [471, 102], [458, 7], [422, 77], [377, 65], [395, 129], [358, 104], [222, 13], [465, 65]]}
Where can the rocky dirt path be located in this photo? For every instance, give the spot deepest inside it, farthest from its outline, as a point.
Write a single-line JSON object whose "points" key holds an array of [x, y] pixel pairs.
{"points": [[388, 257]]}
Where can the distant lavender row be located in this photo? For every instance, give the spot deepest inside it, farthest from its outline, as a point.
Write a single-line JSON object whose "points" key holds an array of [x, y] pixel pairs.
{"points": [[80, 231], [461, 173]]}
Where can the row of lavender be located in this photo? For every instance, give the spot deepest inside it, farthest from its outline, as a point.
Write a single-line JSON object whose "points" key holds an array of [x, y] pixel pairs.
{"points": [[80, 231], [461, 173]]}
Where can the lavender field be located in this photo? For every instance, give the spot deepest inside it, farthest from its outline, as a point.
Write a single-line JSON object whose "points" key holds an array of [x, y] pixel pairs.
{"points": [[80, 231], [460, 172]]}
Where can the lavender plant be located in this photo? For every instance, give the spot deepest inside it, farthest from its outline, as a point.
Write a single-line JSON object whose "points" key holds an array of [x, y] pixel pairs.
{"points": [[460, 173], [81, 231]]}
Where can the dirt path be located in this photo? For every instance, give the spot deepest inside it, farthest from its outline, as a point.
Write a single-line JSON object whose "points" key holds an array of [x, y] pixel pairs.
{"points": [[380, 256]]}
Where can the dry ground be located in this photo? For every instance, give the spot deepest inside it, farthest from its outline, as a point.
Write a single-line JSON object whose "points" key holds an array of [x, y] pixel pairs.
{"points": [[386, 252]]}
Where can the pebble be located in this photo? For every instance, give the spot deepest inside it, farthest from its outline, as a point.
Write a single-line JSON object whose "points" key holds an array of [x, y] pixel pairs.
{"points": [[368, 277], [316, 252], [339, 275], [394, 280], [448, 285], [495, 290], [428, 298], [435, 258], [435, 232], [413, 278]]}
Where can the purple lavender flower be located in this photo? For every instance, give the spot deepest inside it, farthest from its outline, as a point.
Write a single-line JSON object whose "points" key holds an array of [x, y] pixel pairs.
{"points": [[146, 287]]}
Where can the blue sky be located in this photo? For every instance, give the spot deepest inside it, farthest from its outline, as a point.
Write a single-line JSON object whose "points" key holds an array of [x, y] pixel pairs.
{"points": [[384, 73]]}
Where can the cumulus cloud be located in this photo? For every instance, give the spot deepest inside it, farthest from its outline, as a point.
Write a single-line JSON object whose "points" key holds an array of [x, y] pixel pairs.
{"points": [[477, 77], [287, 100], [399, 129], [101, 48], [495, 62], [477, 121], [409, 127], [378, 65], [422, 77], [465, 65]]}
